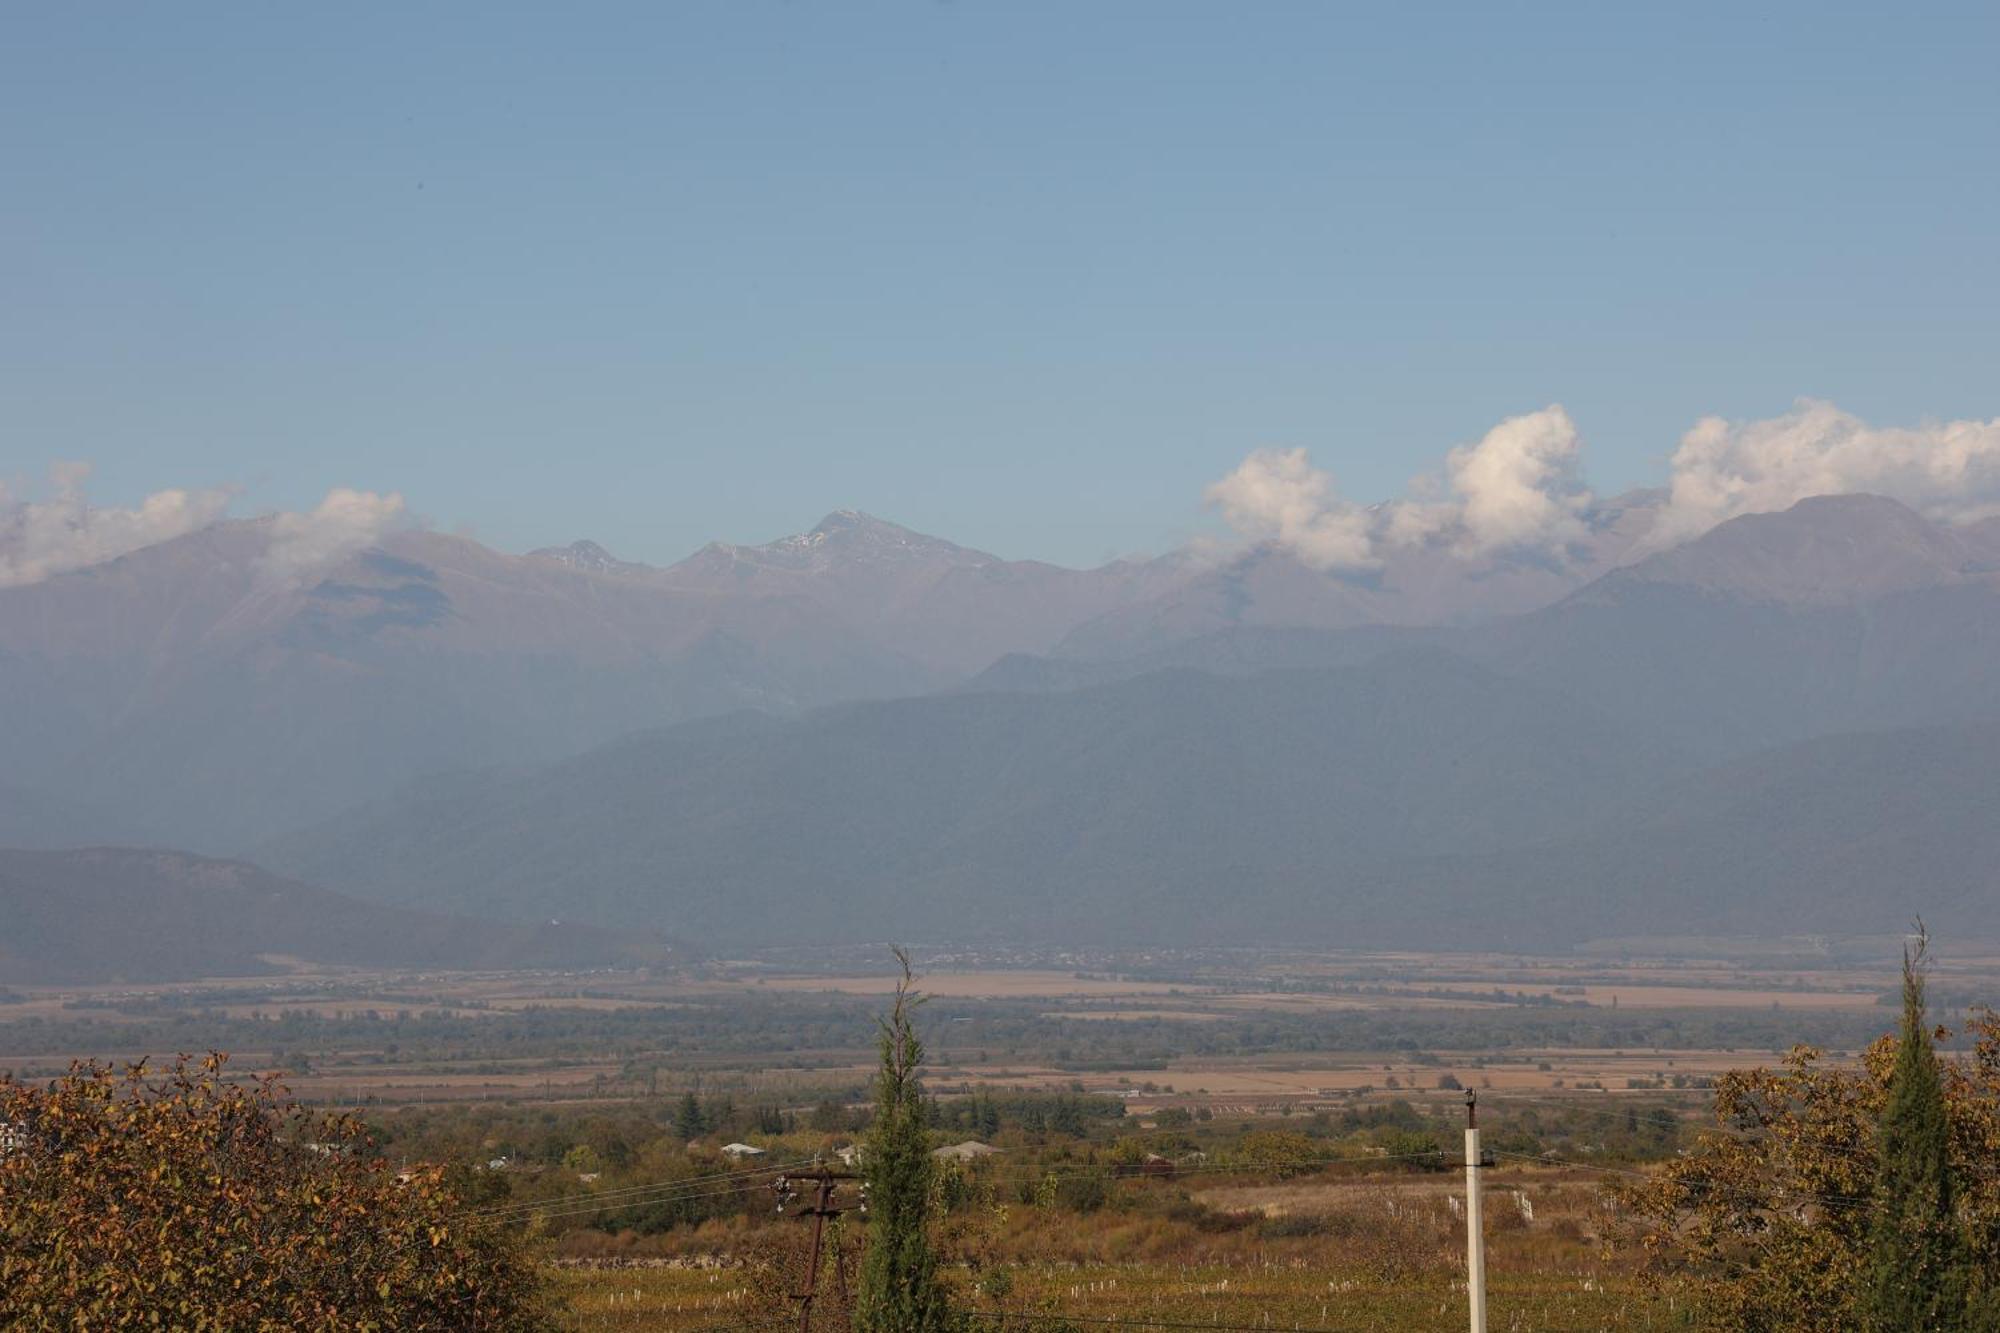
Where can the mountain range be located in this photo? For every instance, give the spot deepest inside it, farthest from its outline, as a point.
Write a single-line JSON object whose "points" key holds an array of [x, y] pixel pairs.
{"points": [[1003, 816], [1196, 833], [182, 689], [185, 691], [127, 915], [862, 731]]}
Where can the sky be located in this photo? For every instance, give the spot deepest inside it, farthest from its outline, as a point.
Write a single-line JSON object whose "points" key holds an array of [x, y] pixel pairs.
{"points": [[1034, 277]]}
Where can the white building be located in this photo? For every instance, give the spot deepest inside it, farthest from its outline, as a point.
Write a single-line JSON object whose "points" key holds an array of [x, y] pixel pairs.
{"points": [[964, 1152]]}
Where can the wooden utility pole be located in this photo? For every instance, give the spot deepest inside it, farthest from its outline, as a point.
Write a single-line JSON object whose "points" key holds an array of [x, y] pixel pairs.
{"points": [[1475, 1233], [825, 1183]]}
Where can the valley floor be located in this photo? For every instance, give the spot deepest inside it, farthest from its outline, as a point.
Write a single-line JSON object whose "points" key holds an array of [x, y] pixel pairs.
{"points": [[1141, 1296]]}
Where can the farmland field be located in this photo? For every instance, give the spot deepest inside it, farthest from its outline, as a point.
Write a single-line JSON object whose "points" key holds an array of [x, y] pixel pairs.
{"points": [[590, 1108], [1322, 1022], [1355, 1254]]}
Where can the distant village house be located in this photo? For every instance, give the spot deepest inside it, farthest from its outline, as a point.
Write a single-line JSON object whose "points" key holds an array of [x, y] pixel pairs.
{"points": [[967, 1151]]}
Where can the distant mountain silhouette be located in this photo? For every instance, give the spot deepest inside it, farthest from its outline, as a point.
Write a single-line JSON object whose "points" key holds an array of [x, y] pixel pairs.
{"points": [[1839, 614], [1214, 828], [1847, 834], [120, 914], [1160, 803], [180, 689], [1842, 613], [862, 730], [30, 818], [1267, 587], [591, 558]]}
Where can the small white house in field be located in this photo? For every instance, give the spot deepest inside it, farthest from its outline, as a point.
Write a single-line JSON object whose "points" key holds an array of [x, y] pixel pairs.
{"points": [[964, 1152], [741, 1150], [849, 1155]]}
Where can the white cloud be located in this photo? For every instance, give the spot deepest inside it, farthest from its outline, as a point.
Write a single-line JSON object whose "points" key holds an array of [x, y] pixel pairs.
{"points": [[344, 522], [42, 538], [1277, 494], [1518, 487], [1948, 470]]}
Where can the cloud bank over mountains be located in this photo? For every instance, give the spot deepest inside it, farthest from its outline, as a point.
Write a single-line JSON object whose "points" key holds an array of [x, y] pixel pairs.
{"points": [[1948, 470], [42, 538], [345, 522], [1520, 488]]}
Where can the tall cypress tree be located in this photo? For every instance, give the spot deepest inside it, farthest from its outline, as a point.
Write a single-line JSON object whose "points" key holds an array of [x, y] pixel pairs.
{"points": [[899, 1290], [688, 1122], [1919, 1267]]}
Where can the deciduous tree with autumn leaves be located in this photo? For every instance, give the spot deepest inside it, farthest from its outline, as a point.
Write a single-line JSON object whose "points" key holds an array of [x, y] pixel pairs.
{"points": [[189, 1200], [1863, 1198]]}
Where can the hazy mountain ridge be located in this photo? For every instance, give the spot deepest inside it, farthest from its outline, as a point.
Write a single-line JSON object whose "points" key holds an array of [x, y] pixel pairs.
{"points": [[1004, 813], [842, 541], [1827, 550], [1850, 832], [1840, 614], [1741, 639], [1584, 767], [589, 557], [1196, 779], [118, 914], [186, 690], [37, 819], [1269, 587]]}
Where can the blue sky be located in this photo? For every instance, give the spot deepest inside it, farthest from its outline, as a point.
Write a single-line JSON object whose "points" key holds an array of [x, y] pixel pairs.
{"points": [[1028, 276]]}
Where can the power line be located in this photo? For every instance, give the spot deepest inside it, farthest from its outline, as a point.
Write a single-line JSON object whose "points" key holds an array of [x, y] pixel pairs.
{"points": [[609, 1195], [665, 1190], [1777, 1194], [1137, 1171], [1145, 1323], [1606, 1113], [670, 1193], [1748, 1136], [574, 1206]]}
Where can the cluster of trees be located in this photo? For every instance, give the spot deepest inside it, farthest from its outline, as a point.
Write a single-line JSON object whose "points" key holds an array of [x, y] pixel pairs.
{"points": [[984, 1114], [1864, 1198], [201, 1202], [1840, 1198], [694, 1117], [781, 1030]]}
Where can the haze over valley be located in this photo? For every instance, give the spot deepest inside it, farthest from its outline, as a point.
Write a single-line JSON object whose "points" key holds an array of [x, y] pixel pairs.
{"points": [[1518, 713], [732, 667]]}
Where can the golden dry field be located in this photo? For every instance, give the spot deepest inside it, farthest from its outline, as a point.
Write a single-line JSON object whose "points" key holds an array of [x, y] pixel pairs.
{"points": [[1111, 995], [1204, 1051], [1340, 1255]]}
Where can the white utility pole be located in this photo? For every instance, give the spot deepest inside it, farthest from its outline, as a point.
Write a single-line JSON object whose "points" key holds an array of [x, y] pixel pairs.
{"points": [[1475, 1233]]}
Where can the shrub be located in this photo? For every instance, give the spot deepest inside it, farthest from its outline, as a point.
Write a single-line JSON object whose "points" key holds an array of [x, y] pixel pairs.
{"points": [[199, 1203], [1085, 1193]]}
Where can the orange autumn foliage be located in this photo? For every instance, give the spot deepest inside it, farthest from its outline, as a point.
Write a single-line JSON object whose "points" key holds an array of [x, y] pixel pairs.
{"points": [[191, 1201]]}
